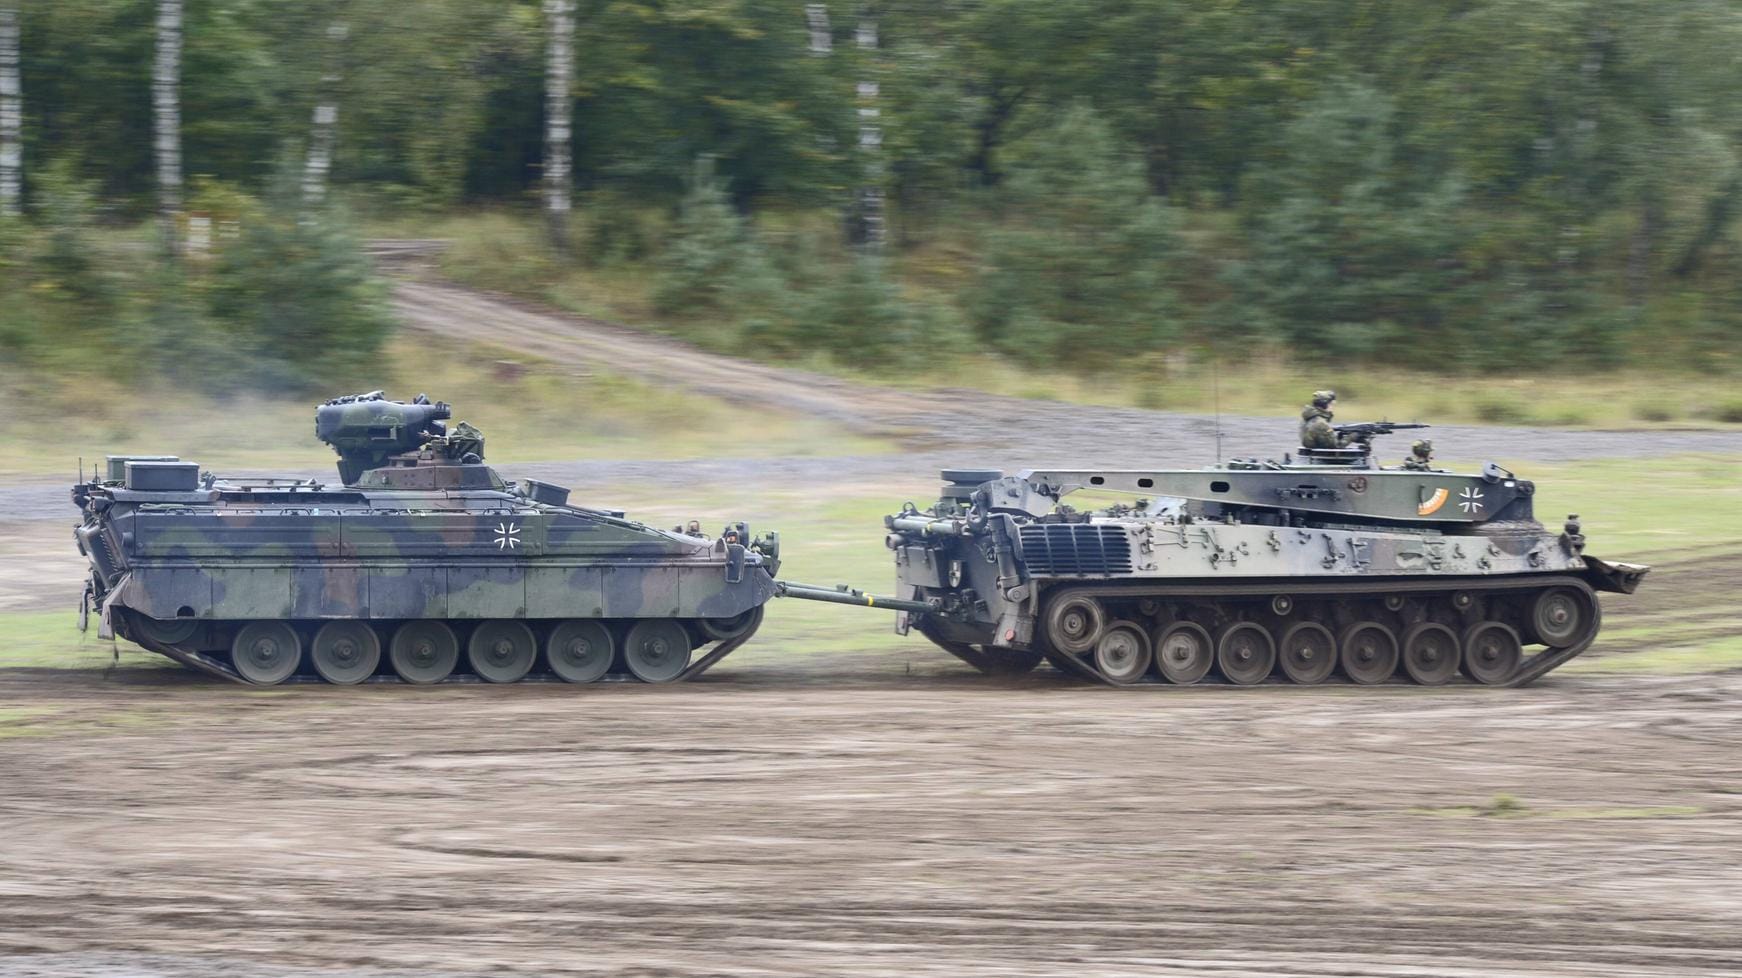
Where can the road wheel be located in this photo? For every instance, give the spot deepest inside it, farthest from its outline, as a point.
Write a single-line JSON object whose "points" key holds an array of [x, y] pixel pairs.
{"points": [[1368, 651], [345, 652], [424, 652], [501, 651], [1074, 623], [656, 650], [165, 631], [1123, 654], [1491, 652], [1245, 652], [726, 629], [1431, 653], [1184, 652], [579, 651], [1307, 653], [266, 652], [1560, 617]]}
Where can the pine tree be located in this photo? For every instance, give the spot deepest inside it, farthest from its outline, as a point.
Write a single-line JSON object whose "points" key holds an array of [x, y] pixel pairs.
{"points": [[1352, 251], [713, 250], [1078, 272]]}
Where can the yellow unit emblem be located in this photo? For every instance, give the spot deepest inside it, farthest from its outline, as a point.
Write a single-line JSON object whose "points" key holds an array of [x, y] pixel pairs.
{"points": [[1432, 504]]}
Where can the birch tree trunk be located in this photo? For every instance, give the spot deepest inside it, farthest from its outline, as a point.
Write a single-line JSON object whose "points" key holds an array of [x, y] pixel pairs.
{"points": [[558, 111], [870, 208], [11, 115], [166, 101], [323, 128], [816, 15]]}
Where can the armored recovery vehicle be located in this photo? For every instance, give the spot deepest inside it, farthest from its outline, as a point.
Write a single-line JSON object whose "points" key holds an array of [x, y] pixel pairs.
{"points": [[422, 564], [1320, 564]]}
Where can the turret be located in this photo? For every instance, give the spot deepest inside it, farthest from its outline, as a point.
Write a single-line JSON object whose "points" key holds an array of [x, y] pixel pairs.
{"points": [[400, 444]]}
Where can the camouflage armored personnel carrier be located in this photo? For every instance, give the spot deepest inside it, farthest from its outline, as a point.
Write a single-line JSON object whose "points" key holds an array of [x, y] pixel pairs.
{"points": [[423, 564], [1322, 563]]}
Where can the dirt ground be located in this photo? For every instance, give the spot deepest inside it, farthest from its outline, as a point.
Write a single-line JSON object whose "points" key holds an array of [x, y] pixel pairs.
{"points": [[824, 816]]}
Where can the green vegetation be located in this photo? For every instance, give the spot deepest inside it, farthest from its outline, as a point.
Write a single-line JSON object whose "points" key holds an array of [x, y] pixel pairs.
{"points": [[529, 409], [51, 640], [283, 302], [1492, 188], [1083, 274], [1663, 509]]}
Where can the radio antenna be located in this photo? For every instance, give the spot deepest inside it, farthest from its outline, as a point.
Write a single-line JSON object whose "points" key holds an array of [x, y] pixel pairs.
{"points": [[1216, 397]]}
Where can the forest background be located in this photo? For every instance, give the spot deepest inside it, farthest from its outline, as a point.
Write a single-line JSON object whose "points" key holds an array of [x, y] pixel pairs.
{"points": [[1105, 189]]}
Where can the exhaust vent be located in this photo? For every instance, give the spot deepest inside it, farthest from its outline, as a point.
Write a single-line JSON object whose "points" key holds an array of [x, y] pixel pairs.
{"points": [[1064, 549]]}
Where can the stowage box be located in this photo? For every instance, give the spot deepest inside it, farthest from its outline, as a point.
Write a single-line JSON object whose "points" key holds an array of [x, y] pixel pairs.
{"points": [[163, 476]]}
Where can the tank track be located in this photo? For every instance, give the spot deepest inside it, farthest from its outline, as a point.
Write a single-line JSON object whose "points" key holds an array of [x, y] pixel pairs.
{"points": [[1459, 605], [988, 659], [219, 666]]}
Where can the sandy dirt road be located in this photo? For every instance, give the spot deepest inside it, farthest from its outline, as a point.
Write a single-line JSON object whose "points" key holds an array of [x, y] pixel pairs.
{"points": [[814, 816]]}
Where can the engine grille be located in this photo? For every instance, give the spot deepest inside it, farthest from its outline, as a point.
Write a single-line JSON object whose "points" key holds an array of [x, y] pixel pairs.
{"points": [[1075, 548]]}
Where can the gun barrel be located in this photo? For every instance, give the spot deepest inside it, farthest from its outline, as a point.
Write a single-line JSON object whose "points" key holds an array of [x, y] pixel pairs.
{"points": [[1377, 427], [926, 526]]}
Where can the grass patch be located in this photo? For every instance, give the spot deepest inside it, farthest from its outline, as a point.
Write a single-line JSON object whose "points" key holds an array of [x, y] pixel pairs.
{"points": [[1656, 411], [21, 721], [1671, 658], [529, 409], [1660, 513], [825, 540], [1727, 410], [51, 640], [1635, 510]]}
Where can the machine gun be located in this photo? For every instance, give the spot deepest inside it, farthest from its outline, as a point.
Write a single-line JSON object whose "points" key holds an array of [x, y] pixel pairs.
{"points": [[1354, 443], [1360, 435], [1364, 431]]}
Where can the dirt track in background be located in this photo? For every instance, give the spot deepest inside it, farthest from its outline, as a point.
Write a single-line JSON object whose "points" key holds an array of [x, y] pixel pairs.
{"points": [[839, 817], [942, 424]]}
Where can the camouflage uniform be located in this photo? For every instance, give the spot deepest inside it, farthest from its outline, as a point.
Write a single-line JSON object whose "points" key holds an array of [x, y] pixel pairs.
{"points": [[1315, 422], [1421, 456]]}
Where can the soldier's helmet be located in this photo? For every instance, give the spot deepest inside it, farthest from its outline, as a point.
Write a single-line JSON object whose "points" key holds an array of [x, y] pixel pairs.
{"points": [[1323, 398], [1422, 447]]}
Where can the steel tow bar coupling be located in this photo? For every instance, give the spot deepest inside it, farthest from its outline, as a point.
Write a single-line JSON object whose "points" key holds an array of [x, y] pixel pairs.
{"points": [[842, 594]]}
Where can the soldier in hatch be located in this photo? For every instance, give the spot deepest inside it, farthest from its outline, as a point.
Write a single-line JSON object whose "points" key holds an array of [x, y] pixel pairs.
{"points": [[1421, 456], [1315, 422]]}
